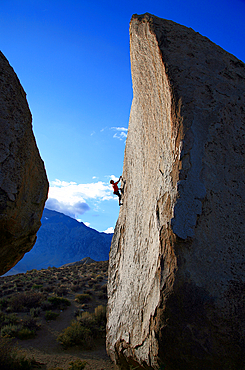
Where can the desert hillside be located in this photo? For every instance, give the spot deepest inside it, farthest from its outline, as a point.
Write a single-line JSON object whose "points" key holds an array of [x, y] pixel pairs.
{"points": [[56, 317]]}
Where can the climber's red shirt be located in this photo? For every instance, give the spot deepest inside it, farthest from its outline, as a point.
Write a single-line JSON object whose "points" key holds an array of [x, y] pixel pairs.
{"points": [[115, 187]]}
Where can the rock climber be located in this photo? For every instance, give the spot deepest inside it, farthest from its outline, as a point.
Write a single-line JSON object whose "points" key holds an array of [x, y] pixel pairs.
{"points": [[116, 189]]}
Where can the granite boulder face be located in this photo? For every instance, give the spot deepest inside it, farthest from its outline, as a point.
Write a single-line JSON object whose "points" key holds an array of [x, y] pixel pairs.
{"points": [[23, 180], [177, 261]]}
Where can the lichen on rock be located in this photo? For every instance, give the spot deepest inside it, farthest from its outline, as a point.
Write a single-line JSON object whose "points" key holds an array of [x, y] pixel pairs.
{"points": [[176, 268]]}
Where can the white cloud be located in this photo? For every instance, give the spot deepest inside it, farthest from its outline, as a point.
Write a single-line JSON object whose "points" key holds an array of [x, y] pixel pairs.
{"points": [[71, 198], [120, 129], [121, 136], [121, 133], [110, 230], [63, 190], [87, 223]]}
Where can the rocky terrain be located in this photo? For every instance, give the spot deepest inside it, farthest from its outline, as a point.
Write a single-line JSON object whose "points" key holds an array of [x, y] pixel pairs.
{"points": [[56, 316], [176, 268], [61, 240], [23, 180]]}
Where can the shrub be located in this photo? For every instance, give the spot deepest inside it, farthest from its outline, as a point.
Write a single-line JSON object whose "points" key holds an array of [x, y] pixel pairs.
{"points": [[97, 286], [2, 317], [95, 322], [21, 362], [48, 289], [25, 333], [24, 329], [10, 319], [5, 352], [59, 302], [89, 326], [86, 319], [19, 284], [104, 288], [100, 314], [35, 312], [62, 290], [50, 315], [30, 323], [10, 331], [75, 287], [78, 312], [24, 301], [77, 365], [99, 278], [102, 295], [83, 298], [75, 334], [46, 305], [37, 286], [3, 303]]}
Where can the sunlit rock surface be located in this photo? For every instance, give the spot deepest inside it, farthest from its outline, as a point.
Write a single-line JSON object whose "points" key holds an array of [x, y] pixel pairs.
{"points": [[177, 267], [23, 180]]}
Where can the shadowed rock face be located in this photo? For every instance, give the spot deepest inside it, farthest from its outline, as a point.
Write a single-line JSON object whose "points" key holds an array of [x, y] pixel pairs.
{"points": [[23, 180], [176, 269]]}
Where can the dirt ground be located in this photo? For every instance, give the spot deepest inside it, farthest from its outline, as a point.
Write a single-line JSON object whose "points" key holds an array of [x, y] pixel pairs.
{"points": [[45, 349]]}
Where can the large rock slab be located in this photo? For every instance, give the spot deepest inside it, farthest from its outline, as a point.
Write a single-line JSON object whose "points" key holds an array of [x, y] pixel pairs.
{"points": [[177, 267], [23, 180]]}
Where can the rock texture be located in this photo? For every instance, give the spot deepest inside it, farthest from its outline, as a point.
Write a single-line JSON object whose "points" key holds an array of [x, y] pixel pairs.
{"points": [[23, 181], [177, 270]]}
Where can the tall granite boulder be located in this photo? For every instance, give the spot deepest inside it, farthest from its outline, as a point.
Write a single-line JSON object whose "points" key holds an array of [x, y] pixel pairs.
{"points": [[176, 285], [23, 180]]}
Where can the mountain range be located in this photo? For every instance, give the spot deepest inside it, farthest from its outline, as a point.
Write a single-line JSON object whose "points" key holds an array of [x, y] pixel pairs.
{"points": [[62, 240]]}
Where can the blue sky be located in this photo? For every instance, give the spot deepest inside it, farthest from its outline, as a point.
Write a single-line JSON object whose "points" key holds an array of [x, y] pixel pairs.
{"points": [[72, 58]]}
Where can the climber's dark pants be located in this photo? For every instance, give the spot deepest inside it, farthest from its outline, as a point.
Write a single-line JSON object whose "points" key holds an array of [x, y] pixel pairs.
{"points": [[118, 194]]}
